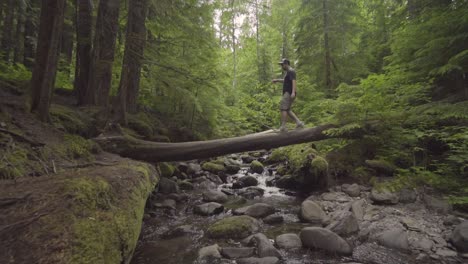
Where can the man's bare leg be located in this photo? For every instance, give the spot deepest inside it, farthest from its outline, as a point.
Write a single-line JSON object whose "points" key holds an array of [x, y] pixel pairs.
{"points": [[293, 116], [284, 119]]}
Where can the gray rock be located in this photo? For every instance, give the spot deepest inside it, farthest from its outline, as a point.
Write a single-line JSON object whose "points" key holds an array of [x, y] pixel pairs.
{"points": [[179, 231], [251, 192], [287, 182], [423, 244], [185, 185], [259, 210], [352, 190], [233, 227], [460, 237], [168, 186], [452, 220], [344, 223], [240, 211], [207, 185], [209, 252], [273, 219], [375, 254], [411, 224], [357, 208], [446, 253], [264, 247], [437, 205], [214, 196], [383, 197], [247, 158], [167, 204], [193, 168], [335, 197], [232, 169], [214, 178], [407, 196], [208, 209], [248, 181], [288, 241], [313, 213], [321, 238], [235, 253], [394, 238], [267, 260]]}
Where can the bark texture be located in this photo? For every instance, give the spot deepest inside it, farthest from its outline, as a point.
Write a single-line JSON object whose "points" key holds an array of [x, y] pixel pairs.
{"points": [[45, 68], [29, 37], [127, 146], [7, 34], [83, 50], [19, 38]]}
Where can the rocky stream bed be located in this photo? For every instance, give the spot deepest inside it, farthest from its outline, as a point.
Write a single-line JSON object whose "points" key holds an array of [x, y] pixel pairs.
{"points": [[237, 215]]}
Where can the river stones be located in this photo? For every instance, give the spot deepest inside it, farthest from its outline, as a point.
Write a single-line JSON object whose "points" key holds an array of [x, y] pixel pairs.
{"points": [[208, 209], [213, 167], [321, 238], [185, 185], [232, 169], [193, 168], [357, 208], [256, 166], [335, 197], [245, 181], [373, 253], [266, 260], [313, 213], [273, 219], [209, 252], [233, 227], [383, 196], [344, 223], [459, 237], [286, 182], [264, 247], [247, 158], [288, 241], [352, 190], [235, 253], [251, 192], [168, 186], [214, 196], [437, 205], [394, 238], [259, 210]]}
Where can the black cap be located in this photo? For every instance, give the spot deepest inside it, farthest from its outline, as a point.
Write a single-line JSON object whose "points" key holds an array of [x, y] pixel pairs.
{"points": [[283, 61]]}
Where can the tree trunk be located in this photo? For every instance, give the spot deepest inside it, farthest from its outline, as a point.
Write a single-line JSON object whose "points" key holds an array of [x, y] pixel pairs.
{"points": [[328, 81], [83, 50], [7, 34], [20, 21], [130, 147], [103, 54], [66, 47], [45, 68], [134, 48], [234, 51], [29, 36]]}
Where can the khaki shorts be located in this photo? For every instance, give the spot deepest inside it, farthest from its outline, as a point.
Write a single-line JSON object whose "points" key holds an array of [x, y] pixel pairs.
{"points": [[286, 102]]}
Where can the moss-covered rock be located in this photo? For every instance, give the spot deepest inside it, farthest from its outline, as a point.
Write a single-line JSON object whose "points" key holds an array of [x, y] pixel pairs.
{"points": [[213, 167], [276, 156], [167, 170], [233, 227], [381, 167], [256, 166]]}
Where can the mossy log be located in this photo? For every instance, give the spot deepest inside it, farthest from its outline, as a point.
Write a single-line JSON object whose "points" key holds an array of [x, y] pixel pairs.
{"points": [[131, 147]]}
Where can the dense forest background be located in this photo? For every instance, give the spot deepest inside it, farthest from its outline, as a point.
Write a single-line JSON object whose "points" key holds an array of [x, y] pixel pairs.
{"points": [[392, 68]]}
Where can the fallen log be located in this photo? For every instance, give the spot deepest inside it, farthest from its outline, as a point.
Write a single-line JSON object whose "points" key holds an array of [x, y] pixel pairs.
{"points": [[127, 146]]}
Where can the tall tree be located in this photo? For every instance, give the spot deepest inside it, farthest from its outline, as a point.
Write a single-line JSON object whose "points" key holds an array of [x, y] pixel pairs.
{"points": [[7, 34], [103, 53], [83, 50], [45, 68], [66, 47], [30, 34], [134, 47], [19, 38], [326, 46]]}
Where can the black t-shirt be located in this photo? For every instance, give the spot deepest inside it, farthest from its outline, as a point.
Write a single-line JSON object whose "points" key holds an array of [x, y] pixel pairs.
{"points": [[288, 78]]}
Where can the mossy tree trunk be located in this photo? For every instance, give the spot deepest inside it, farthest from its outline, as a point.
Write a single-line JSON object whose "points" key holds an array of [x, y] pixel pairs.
{"points": [[45, 68]]}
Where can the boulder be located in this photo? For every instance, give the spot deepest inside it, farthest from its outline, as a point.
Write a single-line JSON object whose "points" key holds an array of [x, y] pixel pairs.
{"points": [[209, 252], [394, 238], [167, 170], [273, 219], [452, 220], [208, 209], [248, 181], [256, 167], [233, 227], [459, 237], [321, 238], [264, 247], [266, 260], [168, 186], [214, 196], [437, 205], [352, 190], [357, 208], [344, 223], [259, 210], [235, 253], [312, 213], [288, 241], [383, 196]]}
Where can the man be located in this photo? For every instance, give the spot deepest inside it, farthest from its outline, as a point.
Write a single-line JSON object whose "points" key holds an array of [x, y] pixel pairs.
{"points": [[289, 94]]}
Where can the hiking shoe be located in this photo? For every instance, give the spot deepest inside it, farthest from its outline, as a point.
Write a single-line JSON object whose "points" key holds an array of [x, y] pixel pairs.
{"points": [[283, 129], [300, 125]]}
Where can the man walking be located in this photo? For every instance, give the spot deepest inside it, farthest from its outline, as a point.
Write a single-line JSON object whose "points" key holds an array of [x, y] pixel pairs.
{"points": [[289, 94]]}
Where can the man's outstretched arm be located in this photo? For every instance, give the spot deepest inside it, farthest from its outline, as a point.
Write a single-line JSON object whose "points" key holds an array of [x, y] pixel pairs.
{"points": [[278, 80]]}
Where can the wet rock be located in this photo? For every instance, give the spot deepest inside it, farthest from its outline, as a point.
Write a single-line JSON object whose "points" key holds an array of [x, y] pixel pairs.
{"points": [[321, 238], [185, 185], [207, 185], [383, 197], [193, 168], [335, 197], [407, 196], [267, 260], [264, 247], [460, 237], [214, 196], [286, 182], [273, 219], [178, 196], [251, 192], [247, 158], [357, 208], [375, 254], [168, 186], [208, 209], [227, 191], [312, 213], [410, 224], [215, 179], [179, 231], [437, 205], [166, 204], [452, 220], [209, 252], [233, 227], [248, 181], [259, 210], [344, 223], [422, 244], [235, 253], [235, 202], [288, 241], [352, 190], [213, 167], [394, 238], [256, 167], [232, 169], [446, 253]]}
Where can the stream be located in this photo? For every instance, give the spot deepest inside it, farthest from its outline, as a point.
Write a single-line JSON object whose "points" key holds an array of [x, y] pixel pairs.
{"points": [[173, 234]]}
